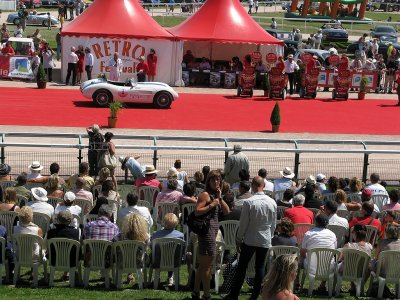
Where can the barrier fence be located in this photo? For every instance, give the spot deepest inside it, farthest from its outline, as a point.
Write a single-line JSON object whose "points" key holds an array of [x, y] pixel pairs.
{"points": [[344, 158]]}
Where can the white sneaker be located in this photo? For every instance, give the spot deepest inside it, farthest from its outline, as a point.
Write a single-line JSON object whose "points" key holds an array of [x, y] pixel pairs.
{"points": [[170, 281]]}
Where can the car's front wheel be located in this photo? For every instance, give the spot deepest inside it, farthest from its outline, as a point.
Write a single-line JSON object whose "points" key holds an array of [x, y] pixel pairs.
{"points": [[102, 98], [162, 100]]}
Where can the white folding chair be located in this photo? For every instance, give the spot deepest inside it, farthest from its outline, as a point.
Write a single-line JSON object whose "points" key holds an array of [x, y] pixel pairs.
{"points": [[148, 193], [372, 234], [60, 251], [275, 251], [127, 255], [4, 263], [387, 271], [380, 200], [96, 191], [84, 204], [98, 256], [353, 268], [299, 231], [24, 246], [329, 196], [343, 213], [54, 201], [89, 218], [340, 232], [186, 210], [7, 219], [229, 230], [22, 200], [281, 211], [42, 220], [324, 261], [169, 252], [354, 198]]}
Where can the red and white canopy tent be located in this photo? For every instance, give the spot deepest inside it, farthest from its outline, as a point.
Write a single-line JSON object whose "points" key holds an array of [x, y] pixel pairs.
{"points": [[122, 26], [221, 29]]}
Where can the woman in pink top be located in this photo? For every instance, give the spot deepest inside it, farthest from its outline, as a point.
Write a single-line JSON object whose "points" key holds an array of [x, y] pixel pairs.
{"points": [[394, 196], [279, 280]]}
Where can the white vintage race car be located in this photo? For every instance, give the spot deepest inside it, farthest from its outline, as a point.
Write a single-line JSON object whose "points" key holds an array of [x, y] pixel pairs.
{"points": [[103, 92]]}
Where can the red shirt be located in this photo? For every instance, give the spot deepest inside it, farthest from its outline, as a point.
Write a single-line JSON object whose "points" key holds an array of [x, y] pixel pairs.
{"points": [[365, 221], [7, 50], [142, 66], [299, 214], [143, 181]]}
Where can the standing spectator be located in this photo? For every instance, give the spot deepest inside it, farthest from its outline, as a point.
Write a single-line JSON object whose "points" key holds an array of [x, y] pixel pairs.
{"points": [[256, 5], [285, 182], [96, 140], [298, 36], [68, 205], [48, 21], [251, 3], [39, 203], [115, 65], [257, 226], [274, 25], [89, 61], [72, 61], [108, 148], [209, 202], [48, 63], [279, 281], [375, 187], [132, 165], [35, 169], [37, 38], [23, 14], [290, 67], [298, 213], [381, 67], [235, 162], [375, 48], [142, 69], [58, 41], [71, 6], [102, 228], [133, 208], [60, 9], [79, 65], [318, 39], [152, 64]]}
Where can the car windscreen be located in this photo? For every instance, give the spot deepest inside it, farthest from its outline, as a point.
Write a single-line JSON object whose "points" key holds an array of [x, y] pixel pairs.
{"points": [[385, 29]]}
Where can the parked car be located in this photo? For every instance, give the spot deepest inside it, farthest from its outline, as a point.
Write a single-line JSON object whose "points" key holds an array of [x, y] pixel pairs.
{"points": [[383, 30], [387, 39], [31, 3], [33, 19], [49, 2], [279, 34], [103, 92], [333, 32], [352, 48], [321, 54]]}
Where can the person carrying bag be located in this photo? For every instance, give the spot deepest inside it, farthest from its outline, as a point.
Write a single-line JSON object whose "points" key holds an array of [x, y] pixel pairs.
{"points": [[107, 156]]}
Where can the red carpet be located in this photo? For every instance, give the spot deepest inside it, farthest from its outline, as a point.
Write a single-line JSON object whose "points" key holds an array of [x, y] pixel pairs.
{"points": [[57, 107]]}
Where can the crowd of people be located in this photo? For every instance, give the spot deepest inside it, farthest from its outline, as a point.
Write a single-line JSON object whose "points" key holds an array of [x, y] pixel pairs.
{"points": [[266, 213]]}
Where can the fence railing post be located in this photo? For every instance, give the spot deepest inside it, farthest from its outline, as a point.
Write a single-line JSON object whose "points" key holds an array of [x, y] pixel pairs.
{"points": [[296, 160], [3, 153], [80, 150], [365, 164], [226, 151], [155, 158]]}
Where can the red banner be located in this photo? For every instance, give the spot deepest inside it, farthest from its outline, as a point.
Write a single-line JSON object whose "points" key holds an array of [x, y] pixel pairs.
{"points": [[271, 58], [306, 58], [4, 66], [334, 60], [256, 56]]}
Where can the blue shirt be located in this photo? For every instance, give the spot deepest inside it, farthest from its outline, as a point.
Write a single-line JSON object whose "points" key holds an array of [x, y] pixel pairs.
{"points": [[135, 168], [167, 233]]}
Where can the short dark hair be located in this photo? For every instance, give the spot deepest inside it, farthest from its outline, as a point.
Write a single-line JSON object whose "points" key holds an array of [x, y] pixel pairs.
{"points": [[245, 185], [108, 136], [360, 230], [374, 177], [178, 164], [321, 220], [394, 196], [205, 170], [262, 172], [107, 186], [132, 199], [22, 178], [368, 207], [54, 168], [288, 194], [83, 167], [331, 205], [189, 189], [244, 174]]}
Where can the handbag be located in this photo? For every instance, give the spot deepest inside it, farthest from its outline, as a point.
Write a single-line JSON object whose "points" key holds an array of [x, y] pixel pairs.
{"points": [[107, 160], [200, 225]]}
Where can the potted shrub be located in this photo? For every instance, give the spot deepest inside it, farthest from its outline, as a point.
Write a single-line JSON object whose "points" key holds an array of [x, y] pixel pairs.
{"points": [[266, 85], [41, 77], [275, 118], [114, 109], [363, 88]]}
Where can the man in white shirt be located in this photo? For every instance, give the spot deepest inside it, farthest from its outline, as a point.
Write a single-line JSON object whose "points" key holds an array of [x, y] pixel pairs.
{"points": [[72, 60], [39, 203], [330, 209], [318, 39], [290, 67], [284, 183], [268, 185], [68, 204], [133, 208], [115, 65], [320, 178], [375, 186], [35, 169], [89, 60], [257, 226]]}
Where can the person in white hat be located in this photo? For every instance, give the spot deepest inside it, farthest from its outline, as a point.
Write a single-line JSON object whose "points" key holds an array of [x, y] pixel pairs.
{"points": [[131, 163], [172, 174], [39, 202], [285, 182], [320, 178], [115, 64], [234, 164], [149, 179], [142, 69], [68, 204], [35, 169]]}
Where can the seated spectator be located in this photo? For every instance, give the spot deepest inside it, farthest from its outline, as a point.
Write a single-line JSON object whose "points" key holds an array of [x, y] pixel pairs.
{"points": [[104, 173], [244, 175], [133, 208], [100, 201], [10, 201], [182, 175], [313, 198], [235, 212], [287, 198], [63, 229], [366, 196], [320, 178], [285, 234], [5, 173], [367, 209], [170, 222], [375, 187], [149, 179], [341, 199], [298, 213], [9, 251], [39, 203], [390, 218], [285, 182], [204, 64], [332, 185], [170, 194], [244, 193], [268, 185], [330, 210], [107, 191], [102, 228], [355, 186], [80, 192], [20, 188], [172, 174], [68, 204], [188, 57], [53, 187], [54, 169], [199, 178], [25, 226], [310, 180], [35, 169], [344, 184], [391, 242], [83, 174], [189, 193], [394, 196]]}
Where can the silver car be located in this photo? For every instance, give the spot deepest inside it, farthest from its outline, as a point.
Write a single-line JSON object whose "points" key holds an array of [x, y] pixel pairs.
{"points": [[33, 19]]}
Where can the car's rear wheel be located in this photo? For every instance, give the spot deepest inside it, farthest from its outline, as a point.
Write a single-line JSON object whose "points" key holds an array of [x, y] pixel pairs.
{"points": [[16, 21], [162, 100], [102, 98]]}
